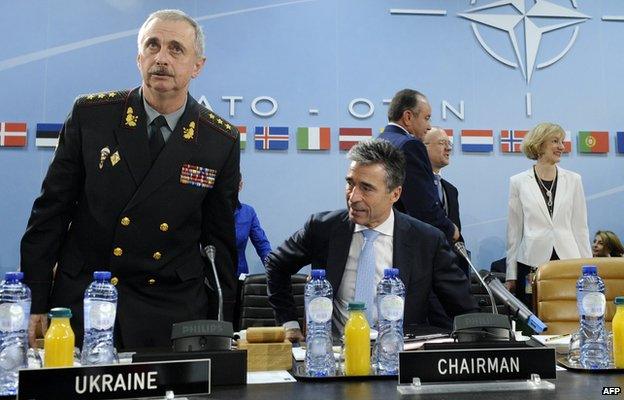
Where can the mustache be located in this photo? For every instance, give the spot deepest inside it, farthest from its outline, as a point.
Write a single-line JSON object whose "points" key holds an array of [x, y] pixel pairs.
{"points": [[159, 70]]}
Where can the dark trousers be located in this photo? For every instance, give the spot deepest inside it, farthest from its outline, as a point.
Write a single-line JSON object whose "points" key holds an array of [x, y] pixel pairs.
{"points": [[522, 272]]}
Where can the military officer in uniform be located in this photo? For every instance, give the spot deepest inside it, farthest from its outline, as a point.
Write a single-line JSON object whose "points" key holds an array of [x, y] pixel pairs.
{"points": [[141, 181]]}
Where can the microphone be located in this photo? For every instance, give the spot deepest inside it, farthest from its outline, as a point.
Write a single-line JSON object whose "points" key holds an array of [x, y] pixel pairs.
{"points": [[461, 249], [210, 253], [518, 309]]}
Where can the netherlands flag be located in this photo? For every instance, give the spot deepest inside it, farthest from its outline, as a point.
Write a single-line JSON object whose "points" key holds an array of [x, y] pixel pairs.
{"points": [[477, 141]]}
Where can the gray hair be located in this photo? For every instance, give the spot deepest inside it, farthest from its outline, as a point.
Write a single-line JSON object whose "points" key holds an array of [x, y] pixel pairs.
{"points": [[175, 15], [380, 151], [404, 100]]}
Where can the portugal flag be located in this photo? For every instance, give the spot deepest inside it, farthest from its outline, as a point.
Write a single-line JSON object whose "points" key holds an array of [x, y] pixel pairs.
{"points": [[593, 142]]}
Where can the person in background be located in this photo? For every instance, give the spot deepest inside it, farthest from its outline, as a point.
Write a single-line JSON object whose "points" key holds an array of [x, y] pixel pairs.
{"points": [[248, 227], [547, 217], [607, 244]]}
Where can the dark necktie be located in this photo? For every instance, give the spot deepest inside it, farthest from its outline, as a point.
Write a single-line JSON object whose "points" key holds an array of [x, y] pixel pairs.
{"points": [[156, 140]]}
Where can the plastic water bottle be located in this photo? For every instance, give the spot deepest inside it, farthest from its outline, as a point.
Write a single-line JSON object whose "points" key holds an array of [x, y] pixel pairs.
{"points": [[100, 307], [591, 303], [319, 360], [15, 303], [390, 302]]}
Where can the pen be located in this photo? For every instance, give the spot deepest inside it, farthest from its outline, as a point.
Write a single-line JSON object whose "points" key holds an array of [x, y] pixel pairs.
{"points": [[550, 339]]}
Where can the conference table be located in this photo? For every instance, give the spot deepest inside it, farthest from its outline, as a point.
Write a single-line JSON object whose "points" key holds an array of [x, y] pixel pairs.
{"points": [[568, 385]]}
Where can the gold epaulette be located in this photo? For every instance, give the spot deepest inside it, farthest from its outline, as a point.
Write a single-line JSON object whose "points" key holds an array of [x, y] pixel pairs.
{"points": [[213, 120], [96, 99]]}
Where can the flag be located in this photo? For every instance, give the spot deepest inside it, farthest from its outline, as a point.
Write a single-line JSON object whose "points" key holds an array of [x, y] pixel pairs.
{"points": [[511, 141], [349, 137], [620, 142], [567, 142], [593, 142], [13, 134], [449, 134], [243, 136], [311, 138], [48, 135], [477, 141], [271, 138]]}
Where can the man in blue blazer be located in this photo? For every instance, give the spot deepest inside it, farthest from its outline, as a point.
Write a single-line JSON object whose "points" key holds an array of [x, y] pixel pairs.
{"points": [[333, 241], [409, 114]]}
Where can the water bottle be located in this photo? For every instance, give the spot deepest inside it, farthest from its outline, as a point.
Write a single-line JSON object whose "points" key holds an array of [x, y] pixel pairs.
{"points": [[319, 359], [591, 303], [100, 306], [390, 302], [15, 303]]}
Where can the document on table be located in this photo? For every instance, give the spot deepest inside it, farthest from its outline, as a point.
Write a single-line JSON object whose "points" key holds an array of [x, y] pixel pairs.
{"points": [[258, 377]]}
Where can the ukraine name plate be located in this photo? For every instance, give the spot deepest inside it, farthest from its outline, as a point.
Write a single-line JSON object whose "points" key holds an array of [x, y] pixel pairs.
{"points": [[116, 381], [484, 364]]}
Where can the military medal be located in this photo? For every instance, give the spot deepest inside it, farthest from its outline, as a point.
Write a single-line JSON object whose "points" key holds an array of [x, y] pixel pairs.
{"points": [[115, 158], [104, 153], [195, 175]]}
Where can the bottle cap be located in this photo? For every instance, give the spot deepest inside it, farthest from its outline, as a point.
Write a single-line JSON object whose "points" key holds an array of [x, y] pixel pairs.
{"points": [[318, 274], [590, 270], [619, 300], [102, 275], [391, 272], [357, 305], [14, 275], [60, 312]]}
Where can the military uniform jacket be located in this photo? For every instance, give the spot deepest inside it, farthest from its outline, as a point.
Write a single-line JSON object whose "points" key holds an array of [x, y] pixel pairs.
{"points": [[104, 206]]}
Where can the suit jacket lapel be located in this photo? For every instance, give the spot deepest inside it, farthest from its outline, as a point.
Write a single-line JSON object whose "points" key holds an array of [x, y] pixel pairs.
{"points": [[132, 137], [338, 252], [560, 190], [403, 253], [178, 148], [533, 186]]}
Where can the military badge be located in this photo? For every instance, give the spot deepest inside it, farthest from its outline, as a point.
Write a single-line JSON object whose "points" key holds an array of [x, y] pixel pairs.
{"points": [[190, 131], [131, 119], [104, 153], [115, 158], [197, 176]]}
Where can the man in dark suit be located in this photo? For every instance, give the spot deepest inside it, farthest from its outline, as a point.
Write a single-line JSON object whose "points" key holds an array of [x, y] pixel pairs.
{"points": [[439, 148], [140, 181], [409, 114], [334, 241]]}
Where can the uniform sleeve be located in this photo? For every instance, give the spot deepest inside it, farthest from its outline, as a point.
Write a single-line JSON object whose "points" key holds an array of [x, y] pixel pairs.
{"points": [[579, 220], [258, 238], [281, 264], [218, 226], [515, 224], [419, 195], [52, 213]]}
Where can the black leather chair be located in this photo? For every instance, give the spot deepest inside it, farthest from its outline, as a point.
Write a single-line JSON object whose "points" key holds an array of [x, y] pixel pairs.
{"points": [[481, 296], [254, 307]]}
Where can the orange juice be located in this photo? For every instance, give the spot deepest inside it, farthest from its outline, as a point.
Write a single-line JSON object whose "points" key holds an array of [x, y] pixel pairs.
{"points": [[357, 342], [59, 340], [617, 325]]}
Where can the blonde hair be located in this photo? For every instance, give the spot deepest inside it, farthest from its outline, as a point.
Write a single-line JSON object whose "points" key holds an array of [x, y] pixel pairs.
{"points": [[540, 134]]}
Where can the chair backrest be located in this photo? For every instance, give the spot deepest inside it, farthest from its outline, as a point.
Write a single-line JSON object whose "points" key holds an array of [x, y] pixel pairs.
{"points": [[554, 290], [255, 309]]}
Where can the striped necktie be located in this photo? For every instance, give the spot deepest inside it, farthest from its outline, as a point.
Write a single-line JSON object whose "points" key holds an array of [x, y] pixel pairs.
{"points": [[365, 285]]}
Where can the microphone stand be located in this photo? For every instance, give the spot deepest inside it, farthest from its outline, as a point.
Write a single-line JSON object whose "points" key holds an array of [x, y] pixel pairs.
{"points": [[210, 253], [461, 249]]}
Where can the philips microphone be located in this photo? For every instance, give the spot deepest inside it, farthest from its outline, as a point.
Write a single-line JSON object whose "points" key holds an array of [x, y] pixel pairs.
{"points": [[461, 249], [517, 308]]}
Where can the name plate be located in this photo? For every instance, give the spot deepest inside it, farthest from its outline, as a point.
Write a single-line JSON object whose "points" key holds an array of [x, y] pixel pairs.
{"points": [[116, 381], [476, 364]]}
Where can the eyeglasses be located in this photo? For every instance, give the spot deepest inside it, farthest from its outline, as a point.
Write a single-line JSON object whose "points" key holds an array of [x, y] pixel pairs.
{"points": [[443, 143]]}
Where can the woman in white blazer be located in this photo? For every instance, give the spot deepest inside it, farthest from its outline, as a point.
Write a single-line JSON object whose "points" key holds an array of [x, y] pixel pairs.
{"points": [[547, 213]]}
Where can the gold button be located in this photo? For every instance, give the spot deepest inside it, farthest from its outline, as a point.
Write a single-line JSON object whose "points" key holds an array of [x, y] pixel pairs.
{"points": [[118, 251], [125, 221], [151, 281], [164, 227], [157, 255], [114, 280]]}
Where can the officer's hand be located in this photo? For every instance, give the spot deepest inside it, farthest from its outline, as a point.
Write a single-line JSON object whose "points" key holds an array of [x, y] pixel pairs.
{"points": [[294, 335], [511, 286], [456, 233], [37, 323]]}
